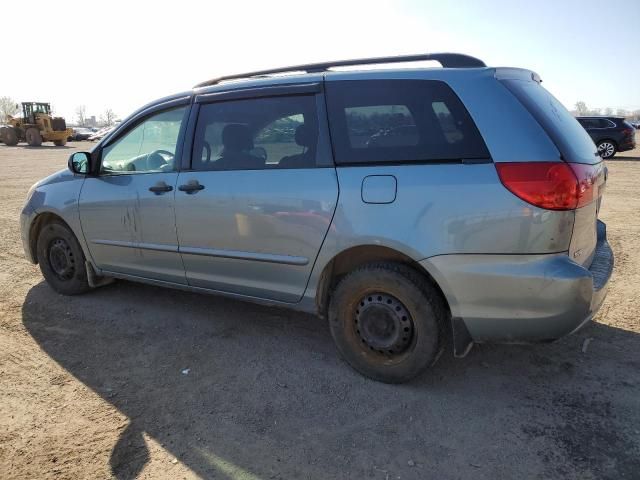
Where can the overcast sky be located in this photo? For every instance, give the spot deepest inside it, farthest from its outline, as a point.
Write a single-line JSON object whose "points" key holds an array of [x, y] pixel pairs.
{"points": [[121, 54]]}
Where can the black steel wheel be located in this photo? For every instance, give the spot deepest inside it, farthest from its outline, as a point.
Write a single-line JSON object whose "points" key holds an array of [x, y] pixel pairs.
{"points": [[61, 259], [384, 324], [387, 320]]}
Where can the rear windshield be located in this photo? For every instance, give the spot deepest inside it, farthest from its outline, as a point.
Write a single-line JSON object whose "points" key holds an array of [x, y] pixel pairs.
{"points": [[396, 121], [570, 137]]}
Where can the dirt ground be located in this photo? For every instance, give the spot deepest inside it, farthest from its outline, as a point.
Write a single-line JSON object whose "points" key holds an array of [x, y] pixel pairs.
{"points": [[133, 381]]}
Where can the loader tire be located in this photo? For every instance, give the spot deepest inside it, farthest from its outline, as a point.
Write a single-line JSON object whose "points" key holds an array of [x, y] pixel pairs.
{"points": [[34, 139], [9, 136]]}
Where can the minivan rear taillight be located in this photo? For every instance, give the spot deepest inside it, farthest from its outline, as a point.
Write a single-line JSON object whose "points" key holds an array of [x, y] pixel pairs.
{"points": [[551, 185]]}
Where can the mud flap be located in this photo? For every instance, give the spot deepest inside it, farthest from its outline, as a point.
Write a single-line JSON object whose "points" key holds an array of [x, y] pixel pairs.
{"points": [[93, 279], [462, 341]]}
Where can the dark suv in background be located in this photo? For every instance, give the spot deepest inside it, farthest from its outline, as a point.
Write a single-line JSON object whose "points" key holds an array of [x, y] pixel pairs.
{"points": [[610, 134]]}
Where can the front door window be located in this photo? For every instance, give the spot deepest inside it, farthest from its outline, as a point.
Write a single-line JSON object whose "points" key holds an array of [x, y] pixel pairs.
{"points": [[148, 147]]}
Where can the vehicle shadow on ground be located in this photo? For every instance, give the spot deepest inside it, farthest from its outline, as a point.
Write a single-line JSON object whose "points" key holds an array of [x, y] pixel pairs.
{"points": [[235, 390]]}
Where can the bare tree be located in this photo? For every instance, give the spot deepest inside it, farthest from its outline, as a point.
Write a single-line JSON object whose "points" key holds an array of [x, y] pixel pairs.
{"points": [[8, 106], [608, 111], [581, 108], [108, 117], [81, 115], [622, 112]]}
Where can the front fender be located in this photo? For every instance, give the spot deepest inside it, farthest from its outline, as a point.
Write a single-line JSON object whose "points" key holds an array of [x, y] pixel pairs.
{"points": [[27, 217], [55, 197]]}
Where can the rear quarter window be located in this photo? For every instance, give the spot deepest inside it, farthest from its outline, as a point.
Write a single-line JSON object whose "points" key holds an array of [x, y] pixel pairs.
{"points": [[395, 121], [572, 140], [587, 122]]}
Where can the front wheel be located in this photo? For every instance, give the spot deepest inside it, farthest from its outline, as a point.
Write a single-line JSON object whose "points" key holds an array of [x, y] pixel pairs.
{"points": [[60, 143], [386, 320], [606, 149], [61, 260], [33, 137]]}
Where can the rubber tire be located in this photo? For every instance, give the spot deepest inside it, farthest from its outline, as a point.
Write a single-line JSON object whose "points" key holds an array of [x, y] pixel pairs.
{"points": [[60, 143], [419, 297], [34, 139], [9, 137], [78, 283], [615, 148]]}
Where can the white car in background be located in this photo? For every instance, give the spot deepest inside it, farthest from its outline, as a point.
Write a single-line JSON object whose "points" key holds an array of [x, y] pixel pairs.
{"points": [[101, 133]]}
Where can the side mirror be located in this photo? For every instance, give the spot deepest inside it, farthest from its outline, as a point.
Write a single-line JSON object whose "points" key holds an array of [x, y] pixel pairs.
{"points": [[79, 162]]}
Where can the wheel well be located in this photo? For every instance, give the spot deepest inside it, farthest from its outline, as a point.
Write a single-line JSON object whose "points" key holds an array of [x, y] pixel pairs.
{"points": [[610, 140], [354, 257], [40, 221]]}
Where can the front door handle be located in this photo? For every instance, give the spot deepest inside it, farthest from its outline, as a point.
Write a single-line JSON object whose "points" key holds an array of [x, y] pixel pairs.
{"points": [[192, 186], [160, 188]]}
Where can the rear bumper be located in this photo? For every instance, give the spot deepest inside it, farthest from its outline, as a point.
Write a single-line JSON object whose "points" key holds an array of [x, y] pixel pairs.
{"points": [[630, 145], [601, 268], [523, 298]]}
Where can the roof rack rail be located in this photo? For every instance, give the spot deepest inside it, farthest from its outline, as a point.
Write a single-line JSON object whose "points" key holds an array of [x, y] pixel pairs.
{"points": [[447, 60]]}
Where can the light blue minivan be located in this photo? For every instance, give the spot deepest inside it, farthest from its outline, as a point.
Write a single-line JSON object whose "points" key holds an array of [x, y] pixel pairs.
{"points": [[413, 208]]}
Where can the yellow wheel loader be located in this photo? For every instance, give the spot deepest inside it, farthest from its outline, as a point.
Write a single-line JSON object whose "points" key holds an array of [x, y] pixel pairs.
{"points": [[35, 126]]}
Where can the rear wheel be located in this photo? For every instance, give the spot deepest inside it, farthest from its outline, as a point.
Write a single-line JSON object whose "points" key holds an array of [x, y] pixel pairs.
{"points": [[61, 260], [60, 143], [607, 148], [386, 320], [34, 139], [9, 136]]}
